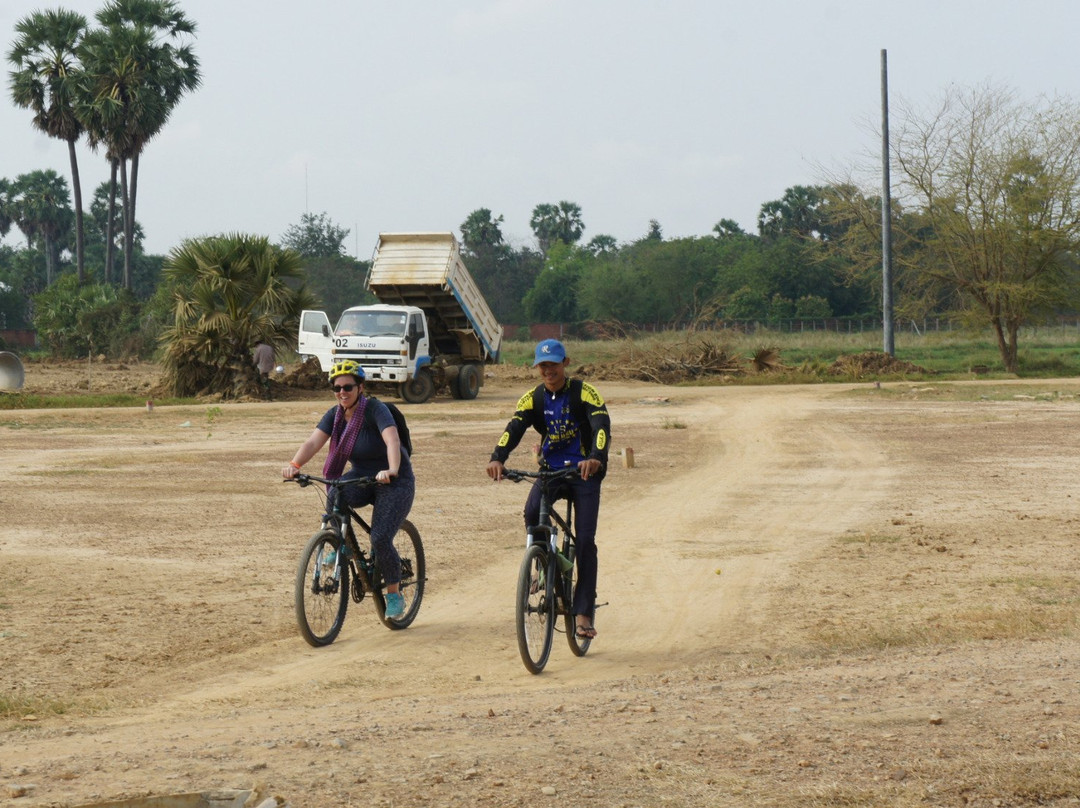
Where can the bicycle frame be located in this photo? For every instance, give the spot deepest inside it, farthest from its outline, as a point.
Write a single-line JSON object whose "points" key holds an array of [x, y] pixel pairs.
{"points": [[340, 519], [550, 521]]}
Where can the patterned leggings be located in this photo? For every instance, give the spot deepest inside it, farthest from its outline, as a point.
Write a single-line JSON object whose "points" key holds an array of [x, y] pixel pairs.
{"points": [[392, 503]]}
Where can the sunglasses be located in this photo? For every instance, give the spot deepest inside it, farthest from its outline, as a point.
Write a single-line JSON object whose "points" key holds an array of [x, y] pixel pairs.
{"points": [[343, 388]]}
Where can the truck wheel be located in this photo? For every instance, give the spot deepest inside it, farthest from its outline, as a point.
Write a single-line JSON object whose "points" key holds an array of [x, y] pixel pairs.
{"points": [[468, 382], [419, 388]]}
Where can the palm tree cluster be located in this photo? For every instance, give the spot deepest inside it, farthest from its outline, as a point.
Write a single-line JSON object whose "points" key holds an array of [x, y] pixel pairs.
{"points": [[229, 292], [116, 84]]}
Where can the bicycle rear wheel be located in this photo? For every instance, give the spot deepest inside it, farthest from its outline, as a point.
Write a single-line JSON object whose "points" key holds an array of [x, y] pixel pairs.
{"points": [[535, 612], [413, 575], [579, 645], [322, 589]]}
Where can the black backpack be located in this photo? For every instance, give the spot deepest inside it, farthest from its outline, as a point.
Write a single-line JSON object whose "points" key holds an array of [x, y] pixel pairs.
{"points": [[399, 420]]}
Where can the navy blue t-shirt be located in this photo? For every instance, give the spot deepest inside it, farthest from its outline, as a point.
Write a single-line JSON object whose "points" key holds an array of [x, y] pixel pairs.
{"points": [[368, 456]]}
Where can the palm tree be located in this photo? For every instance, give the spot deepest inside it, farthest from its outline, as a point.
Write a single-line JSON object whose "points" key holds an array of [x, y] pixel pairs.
{"points": [[113, 60], [551, 223], [229, 292], [42, 210], [6, 208], [45, 81], [137, 74]]}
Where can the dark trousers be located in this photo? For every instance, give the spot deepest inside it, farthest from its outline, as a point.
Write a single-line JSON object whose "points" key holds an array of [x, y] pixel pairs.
{"points": [[391, 503], [585, 494]]}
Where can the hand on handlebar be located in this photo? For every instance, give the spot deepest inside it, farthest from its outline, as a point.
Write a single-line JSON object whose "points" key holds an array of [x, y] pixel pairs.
{"points": [[495, 470], [589, 467]]}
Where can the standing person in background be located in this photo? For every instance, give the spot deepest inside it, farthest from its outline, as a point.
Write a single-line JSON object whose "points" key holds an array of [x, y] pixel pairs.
{"points": [[573, 421], [263, 356]]}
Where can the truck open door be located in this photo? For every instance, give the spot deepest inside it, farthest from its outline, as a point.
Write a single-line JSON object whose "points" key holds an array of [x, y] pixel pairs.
{"points": [[316, 338]]}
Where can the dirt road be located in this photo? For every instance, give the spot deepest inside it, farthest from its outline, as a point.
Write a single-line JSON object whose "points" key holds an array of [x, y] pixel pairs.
{"points": [[821, 595]]}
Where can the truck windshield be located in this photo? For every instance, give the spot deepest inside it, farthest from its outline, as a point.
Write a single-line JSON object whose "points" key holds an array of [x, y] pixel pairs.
{"points": [[371, 324]]}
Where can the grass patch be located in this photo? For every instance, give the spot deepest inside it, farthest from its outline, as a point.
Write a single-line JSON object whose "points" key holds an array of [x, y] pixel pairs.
{"points": [[868, 539], [670, 423], [18, 706], [806, 356], [1019, 622], [987, 391], [34, 401]]}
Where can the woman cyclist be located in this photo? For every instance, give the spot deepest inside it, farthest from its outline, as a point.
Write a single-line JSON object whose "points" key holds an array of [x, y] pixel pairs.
{"points": [[362, 432]]}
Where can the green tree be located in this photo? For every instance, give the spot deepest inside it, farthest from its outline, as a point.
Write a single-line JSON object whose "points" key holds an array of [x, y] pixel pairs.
{"points": [[7, 212], [803, 213], [105, 228], [45, 80], [137, 66], [316, 236], [812, 306], [602, 244], [503, 274], [335, 280], [727, 229], [229, 292], [747, 304], [84, 319], [481, 231], [41, 207], [561, 222], [554, 296]]}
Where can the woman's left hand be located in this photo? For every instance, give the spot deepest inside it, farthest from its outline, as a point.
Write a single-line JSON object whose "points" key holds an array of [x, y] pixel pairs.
{"points": [[384, 476]]}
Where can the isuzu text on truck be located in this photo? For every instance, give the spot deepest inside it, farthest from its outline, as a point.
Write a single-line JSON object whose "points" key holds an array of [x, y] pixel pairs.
{"points": [[432, 327]]}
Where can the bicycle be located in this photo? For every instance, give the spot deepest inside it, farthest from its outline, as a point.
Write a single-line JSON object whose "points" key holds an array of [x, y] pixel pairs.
{"points": [[333, 566], [545, 587]]}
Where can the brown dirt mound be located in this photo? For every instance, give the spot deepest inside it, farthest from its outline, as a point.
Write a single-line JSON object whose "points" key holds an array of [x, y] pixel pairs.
{"points": [[307, 376], [871, 363]]}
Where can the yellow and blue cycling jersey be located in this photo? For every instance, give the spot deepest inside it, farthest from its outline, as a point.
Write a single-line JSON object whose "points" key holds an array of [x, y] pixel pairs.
{"points": [[573, 423]]}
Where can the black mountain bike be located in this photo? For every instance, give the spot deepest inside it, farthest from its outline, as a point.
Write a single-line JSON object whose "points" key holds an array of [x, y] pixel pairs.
{"points": [[333, 567], [545, 588]]}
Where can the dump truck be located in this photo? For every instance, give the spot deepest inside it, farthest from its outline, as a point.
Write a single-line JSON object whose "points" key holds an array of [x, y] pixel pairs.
{"points": [[430, 330]]}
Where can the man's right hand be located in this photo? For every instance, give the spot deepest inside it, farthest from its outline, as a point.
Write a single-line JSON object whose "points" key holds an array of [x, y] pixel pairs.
{"points": [[495, 470]]}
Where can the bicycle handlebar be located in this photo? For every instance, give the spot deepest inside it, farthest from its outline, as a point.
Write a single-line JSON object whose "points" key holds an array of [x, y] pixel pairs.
{"points": [[547, 475], [304, 480]]}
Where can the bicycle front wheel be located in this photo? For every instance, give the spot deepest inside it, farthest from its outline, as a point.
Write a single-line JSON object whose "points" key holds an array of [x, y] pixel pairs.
{"points": [[413, 575], [322, 589], [535, 613]]}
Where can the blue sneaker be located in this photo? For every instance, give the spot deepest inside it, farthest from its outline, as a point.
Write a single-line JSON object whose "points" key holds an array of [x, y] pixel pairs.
{"points": [[395, 605]]}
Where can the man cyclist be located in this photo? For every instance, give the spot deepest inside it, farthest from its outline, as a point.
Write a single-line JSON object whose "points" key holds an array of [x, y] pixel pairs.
{"points": [[573, 421]]}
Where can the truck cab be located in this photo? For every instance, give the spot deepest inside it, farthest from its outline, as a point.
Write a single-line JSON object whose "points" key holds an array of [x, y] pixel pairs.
{"points": [[389, 342]]}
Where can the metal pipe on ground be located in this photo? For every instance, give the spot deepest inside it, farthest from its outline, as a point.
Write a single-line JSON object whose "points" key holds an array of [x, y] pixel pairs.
{"points": [[12, 374]]}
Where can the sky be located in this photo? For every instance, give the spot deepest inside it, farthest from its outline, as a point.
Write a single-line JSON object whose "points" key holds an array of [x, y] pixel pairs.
{"points": [[407, 116]]}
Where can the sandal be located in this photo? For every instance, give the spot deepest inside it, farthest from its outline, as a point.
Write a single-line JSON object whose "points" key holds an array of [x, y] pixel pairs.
{"points": [[585, 633]]}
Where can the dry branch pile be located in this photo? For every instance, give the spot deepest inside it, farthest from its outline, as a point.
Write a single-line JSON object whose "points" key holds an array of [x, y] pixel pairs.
{"points": [[695, 358], [872, 363]]}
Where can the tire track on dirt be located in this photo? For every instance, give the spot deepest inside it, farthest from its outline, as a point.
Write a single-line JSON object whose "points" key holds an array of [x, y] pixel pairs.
{"points": [[770, 482]]}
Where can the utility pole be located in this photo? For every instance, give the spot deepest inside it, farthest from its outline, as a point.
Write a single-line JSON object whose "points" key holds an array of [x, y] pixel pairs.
{"points": [[886, 217]]}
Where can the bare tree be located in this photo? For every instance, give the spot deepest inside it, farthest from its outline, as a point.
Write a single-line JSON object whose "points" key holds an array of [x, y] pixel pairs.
{"points": [[991, 185]]}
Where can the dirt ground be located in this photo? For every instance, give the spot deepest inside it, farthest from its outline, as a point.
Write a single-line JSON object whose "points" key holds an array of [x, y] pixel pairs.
{"points": [[826, 595]]}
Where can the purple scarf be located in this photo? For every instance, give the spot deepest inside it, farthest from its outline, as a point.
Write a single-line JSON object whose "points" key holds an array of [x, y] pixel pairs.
{"points": [[342, 439]]}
